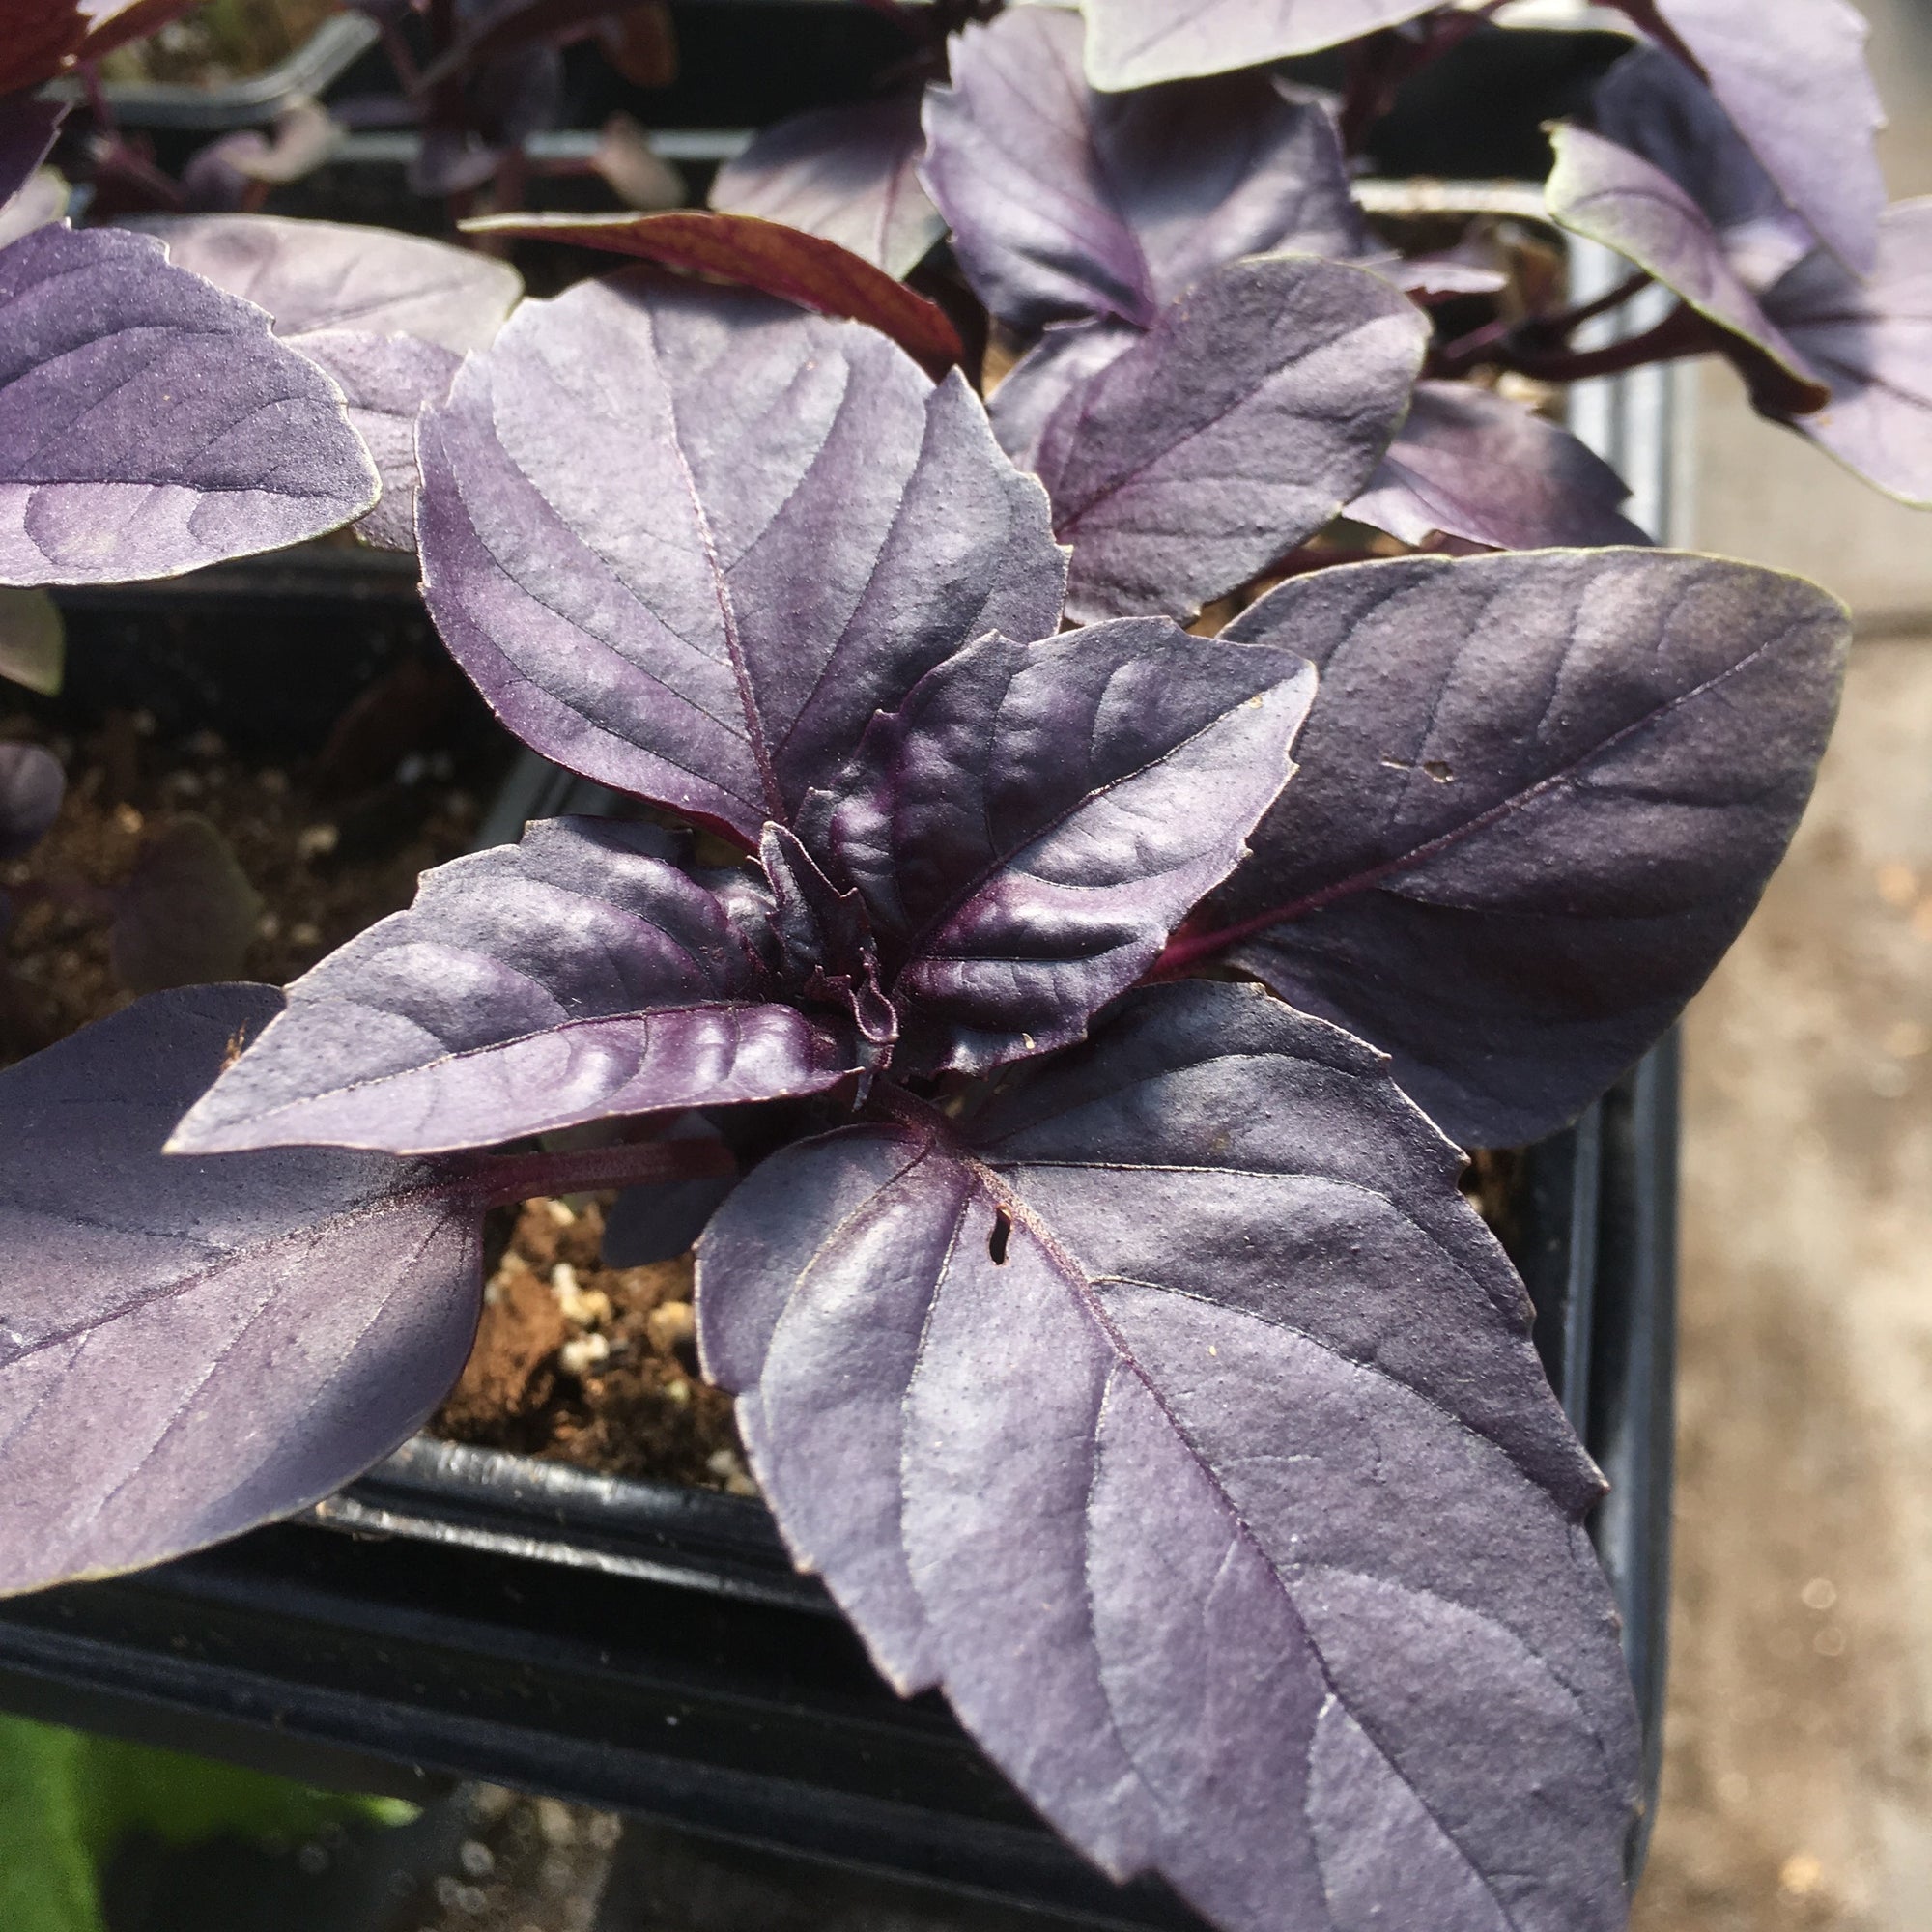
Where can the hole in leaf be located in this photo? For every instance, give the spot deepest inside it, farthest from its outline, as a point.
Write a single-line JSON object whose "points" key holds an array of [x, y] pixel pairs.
{"points": [[996, 1241]]}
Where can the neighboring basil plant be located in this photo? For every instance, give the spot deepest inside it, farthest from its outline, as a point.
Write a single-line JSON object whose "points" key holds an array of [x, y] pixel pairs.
{"points": [[1115, 1343]]}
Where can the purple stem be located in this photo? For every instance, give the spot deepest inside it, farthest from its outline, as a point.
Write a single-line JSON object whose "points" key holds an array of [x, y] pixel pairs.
{"points": [[500, 1180], [1458, 357]]}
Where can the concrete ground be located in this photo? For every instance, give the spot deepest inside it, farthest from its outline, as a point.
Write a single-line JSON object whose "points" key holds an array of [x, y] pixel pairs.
{"points": [[1798, 1784]]}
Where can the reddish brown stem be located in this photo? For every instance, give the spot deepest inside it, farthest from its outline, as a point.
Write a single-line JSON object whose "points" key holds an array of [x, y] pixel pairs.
{"points": [[500, 1180], [1496, 339]]}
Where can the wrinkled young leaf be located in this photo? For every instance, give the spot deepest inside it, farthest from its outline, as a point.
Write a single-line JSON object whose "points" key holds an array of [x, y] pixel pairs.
{"points": [[1537, 797], [28, 126], [186, 914], [530, 987], [823, 526], [201, 1345], [1139, 43], [798, 267], [1871, 341], [1792, 78], [33, 641], [1065, 203], [1473, 465], [149, 423], [32, 786], [389, 316], [1182, 1423], [1259, 404], [849, 174], [1035, 820]]}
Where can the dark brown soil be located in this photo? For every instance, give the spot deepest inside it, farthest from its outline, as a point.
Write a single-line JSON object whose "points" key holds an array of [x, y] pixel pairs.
{"points": [[590, 1365], [325, 863]]}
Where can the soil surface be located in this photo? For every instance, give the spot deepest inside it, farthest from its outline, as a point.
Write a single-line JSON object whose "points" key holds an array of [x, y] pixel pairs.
{"points": [[327, 862], [590, 1365]]}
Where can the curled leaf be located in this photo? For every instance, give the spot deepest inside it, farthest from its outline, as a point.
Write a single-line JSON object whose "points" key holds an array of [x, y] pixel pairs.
{"points": [[803, 269], [1015, 892], [1066, 202], [1795, 82], [1471, 464]]}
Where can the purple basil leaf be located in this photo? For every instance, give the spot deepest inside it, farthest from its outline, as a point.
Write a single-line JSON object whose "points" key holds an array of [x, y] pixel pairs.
{"points": [[189, 1347], [1611, 195], [1184, 1428], [1473, 465], [186, 914], [1871, 341], [1655, 107], [1139, 43], [1035, 820], [1065, 203], [1537, 797], [1794, 79], [313, 275], [28, 126], [32, 786], [530, 987], [824, 525], [386, 380], [849, 174], [1066, 358], [389, 316], [1257, 406], [149, 423]]}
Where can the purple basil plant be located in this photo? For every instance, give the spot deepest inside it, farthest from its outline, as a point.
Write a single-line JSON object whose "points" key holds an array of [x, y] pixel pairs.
{"points": [[1111, 1004]]}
